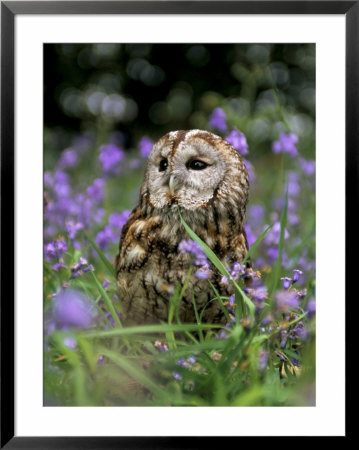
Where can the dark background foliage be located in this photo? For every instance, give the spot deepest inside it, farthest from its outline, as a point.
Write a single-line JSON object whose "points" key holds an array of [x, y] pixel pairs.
{"points": [[153, 88]]}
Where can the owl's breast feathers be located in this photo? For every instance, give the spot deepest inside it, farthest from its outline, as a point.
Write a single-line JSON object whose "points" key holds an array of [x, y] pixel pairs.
{"points": [[155, 237], [150, 266]]}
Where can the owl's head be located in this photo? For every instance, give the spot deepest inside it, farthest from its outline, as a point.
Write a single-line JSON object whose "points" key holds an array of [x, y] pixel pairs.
{"points": [[192, 169]]}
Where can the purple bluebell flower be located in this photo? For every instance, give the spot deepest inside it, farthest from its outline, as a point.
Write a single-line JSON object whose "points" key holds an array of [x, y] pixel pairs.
{"points": [[50, 250], [61, 184], [145, 145], [110, 157], [273, 235], [293, 219], [50, 326], [286, 300], [61, 177], [104, 238], [267, 320], [260, 262], [259, 293], [117, 221], [191, 360], [181, 362], [256, 214], [188, 246], [105, 283], [48, 180], [250, 170], [77, 245], [272, 253], [307, 166], [76, 274], [68, 159], [97, 190], [97, 215], [89, 268], [161, 347], [176, 376], [305, 264], [295, 361], [61, 246], [293, 184], [200, 259], [58, 266], [251, 237], [78, 267], [286, 282], [283, 338], [110, 319], [286, 144], [310, 307], [70, 342], [223, 334], [72, 309], [238, 141], [202, 273], [237, 271], [73, 227], [302, 293], [100, 359], [299, 332], [296, 274], [263, 359], [218, 119]]}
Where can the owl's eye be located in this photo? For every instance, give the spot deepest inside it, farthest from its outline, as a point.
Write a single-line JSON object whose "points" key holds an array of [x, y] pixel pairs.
{"points": [[163, 165], [196, 164]]}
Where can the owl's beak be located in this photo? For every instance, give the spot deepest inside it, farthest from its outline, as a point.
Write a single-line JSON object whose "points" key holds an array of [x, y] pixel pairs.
{"points": [[172, 185]]}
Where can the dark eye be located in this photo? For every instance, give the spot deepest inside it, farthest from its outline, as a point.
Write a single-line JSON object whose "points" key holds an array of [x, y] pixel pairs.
{"points": [[196, 164], [163, 165]]}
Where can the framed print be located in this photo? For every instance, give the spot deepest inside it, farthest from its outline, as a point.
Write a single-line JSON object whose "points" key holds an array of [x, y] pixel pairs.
{"points": [[175, 183]]}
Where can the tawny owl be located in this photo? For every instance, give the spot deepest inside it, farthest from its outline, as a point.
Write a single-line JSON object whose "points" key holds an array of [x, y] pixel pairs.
{"points": [[205, 177]]}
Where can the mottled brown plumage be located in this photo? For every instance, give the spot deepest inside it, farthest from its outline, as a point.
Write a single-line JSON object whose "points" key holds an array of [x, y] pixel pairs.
{"points": [[212, 196]]}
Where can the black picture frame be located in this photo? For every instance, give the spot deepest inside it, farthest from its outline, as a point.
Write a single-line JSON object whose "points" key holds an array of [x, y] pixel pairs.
{"points": [[9, 9]]}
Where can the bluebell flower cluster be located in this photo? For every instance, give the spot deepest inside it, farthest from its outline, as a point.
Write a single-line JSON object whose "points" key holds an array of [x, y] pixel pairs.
{"points": [[199, 258], [286, 144]]}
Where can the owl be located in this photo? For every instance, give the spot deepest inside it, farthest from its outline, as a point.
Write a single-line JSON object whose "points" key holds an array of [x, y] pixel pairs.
{"points": [[205, 178]]}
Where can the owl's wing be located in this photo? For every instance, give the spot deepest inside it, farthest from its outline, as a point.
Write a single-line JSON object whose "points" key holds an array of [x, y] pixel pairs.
{"points": [[122, 260], [135, 215]]}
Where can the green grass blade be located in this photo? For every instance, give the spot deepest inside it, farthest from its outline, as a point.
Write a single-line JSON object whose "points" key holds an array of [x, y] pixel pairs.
{"points": [[208, 252], [171, 312], [107, 301], [219, 299], [198, 320], [150, 329], [106, 262], [134, 372], [256, 243], [278, 265]]}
